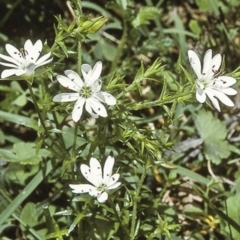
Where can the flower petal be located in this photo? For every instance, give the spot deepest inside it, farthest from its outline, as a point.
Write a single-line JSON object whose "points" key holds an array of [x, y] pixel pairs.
{"points": [[91, 75], [43, 60], [211, 96], [66, 97], [8, 65], [229, 91], [7, 73], [9, 59], [225, 81], [97, 107], [108, 167], [207, 62], [90, 110], [33, 51], [223, 98], [68, 83], [74, 77], [195, 62], [201, 96], [81, 188], [97, 85], [109, 99], [96, 171], [14, 53], [216, 63], [102, 197], [78, 109], [112, 183], [96, 72]]}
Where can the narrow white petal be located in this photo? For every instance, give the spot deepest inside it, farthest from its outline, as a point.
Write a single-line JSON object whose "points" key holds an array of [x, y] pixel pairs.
{"points": [[74, 78], [97, 107], [96, 72], [216, 63], [108, 167], [9, 59], [20, 72], [43, 60], [86, 172], [96, 171], [97, 85], [201, 96], [229, 91], [81, 188], [109, 99], [7, 73], [14, 52], [195, 62], [113, 180], [66, 97], [114, 186], [102, 197], [211, 96], [9, 65], [78, 109], [86, 72], [90, 111], [99, 96], [91, 75], [224, 98], [225, 81], [207, 60], [68, 83], [32, 51]]}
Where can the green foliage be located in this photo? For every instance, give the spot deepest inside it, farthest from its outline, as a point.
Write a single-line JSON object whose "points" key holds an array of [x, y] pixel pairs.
{"points": [[162, 139], [213, 133]]}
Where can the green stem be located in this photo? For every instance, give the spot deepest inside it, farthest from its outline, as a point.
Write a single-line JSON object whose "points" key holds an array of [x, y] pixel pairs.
{"points": [[135, 206], [120, 46], [118, 218], [37, 108], [79, 56], [159, 102]]}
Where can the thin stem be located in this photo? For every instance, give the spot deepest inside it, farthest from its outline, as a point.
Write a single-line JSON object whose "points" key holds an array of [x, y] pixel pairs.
{"points": [[135, 206], [117, 215], [37, 108], [79, 56]]}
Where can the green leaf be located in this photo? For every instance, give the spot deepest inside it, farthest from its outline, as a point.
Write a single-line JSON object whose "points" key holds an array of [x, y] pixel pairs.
{"points": [[233, 211], [18, 119], [24, 153], [29, 214], [145, 15], [213, 133]]}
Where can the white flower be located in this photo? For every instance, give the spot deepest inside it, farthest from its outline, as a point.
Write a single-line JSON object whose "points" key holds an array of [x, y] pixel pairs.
{"points": [[101, 182], [24, 61], [88, 92], [209, 82]]}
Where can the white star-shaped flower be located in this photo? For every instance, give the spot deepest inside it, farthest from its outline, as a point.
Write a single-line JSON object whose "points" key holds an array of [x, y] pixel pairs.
{"points": [[24, 61], [209, 82], [101, 182], [88, 92]]}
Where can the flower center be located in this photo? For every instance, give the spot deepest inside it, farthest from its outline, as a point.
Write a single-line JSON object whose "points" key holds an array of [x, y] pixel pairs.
{"points": [[86, 92], [101, 188]]}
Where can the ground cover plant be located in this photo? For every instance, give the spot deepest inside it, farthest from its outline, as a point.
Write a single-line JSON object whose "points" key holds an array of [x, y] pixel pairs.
{"points": [[119, 120]]}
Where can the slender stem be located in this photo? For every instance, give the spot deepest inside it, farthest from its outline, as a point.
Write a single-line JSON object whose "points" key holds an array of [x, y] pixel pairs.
{"points": [[117, 215], [37, 108], [159, 102], [120, 46], [135, 206], [79, 56]]}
